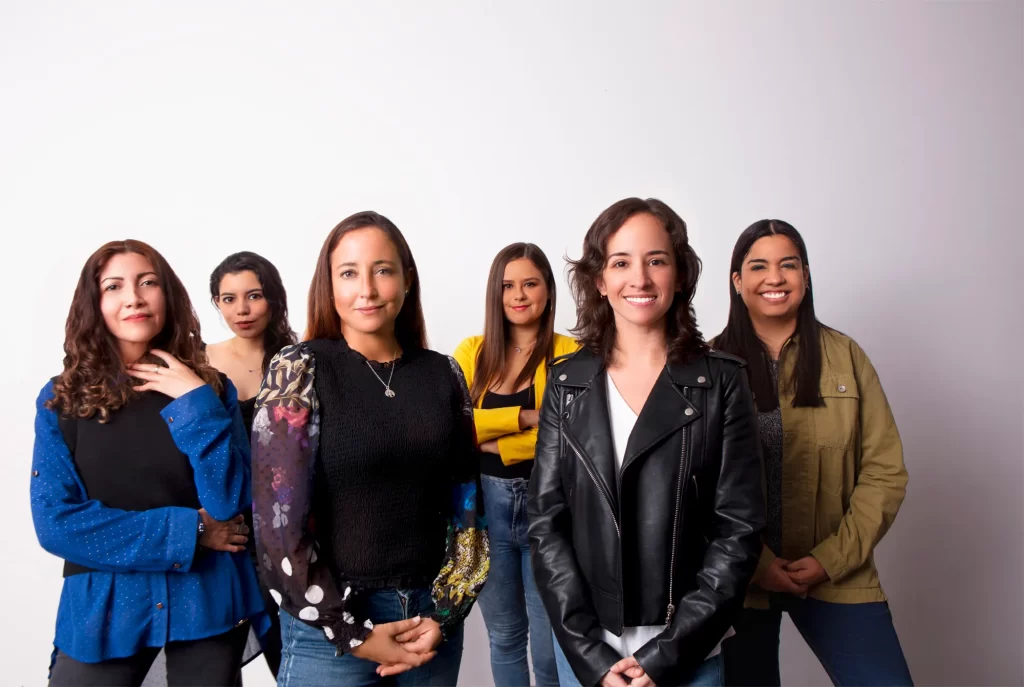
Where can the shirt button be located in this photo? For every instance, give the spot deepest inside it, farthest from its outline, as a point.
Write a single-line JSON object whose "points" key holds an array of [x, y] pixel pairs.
{"points": [[159, 605], [170, 419], [177, 565], [561, 378], [701, 380], [842, 388], [35, 473], [688, 411]]}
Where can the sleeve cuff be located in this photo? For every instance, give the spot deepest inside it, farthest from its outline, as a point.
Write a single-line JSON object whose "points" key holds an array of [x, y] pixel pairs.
{"points": [[184, 539], [827, 553], [186, 409], [515, 448]]}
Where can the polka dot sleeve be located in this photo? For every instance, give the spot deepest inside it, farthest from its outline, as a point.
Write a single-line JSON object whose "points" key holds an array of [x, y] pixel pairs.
{"points": [[284, 444]]}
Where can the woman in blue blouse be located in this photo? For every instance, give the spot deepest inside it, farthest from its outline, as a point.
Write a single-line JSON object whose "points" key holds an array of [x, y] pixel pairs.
{"points": [[139, 474]]}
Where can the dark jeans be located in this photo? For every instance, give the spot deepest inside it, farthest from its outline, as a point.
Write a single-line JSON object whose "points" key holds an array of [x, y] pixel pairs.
{"points": [[210, 662], [856, 643], [510, 602]]}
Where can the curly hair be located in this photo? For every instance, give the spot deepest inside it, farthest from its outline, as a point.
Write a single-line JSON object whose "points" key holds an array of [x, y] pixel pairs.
{"points": [[94, 380], [278, 333], [595, 321]]}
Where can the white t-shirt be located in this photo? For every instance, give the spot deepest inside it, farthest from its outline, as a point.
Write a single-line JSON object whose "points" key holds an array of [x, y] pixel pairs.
{"points": [[622, 419]]}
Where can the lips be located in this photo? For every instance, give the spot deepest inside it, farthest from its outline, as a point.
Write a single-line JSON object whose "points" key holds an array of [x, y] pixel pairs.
{"points": [[774, 296], [137, 318], [370, 309], [519, 308], [639, 300], [245, 324]]}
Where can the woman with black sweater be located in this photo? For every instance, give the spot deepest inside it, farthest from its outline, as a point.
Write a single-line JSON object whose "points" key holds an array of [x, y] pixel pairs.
{"points": [[365, 477]]}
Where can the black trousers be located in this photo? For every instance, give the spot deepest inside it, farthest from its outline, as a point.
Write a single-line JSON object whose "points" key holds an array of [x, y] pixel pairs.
{"points": [[210, 662]]}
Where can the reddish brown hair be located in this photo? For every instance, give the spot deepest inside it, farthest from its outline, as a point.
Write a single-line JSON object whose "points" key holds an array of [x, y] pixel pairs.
{"points": [[595, 321], [490, 364], [94, 378], [324, 322]]}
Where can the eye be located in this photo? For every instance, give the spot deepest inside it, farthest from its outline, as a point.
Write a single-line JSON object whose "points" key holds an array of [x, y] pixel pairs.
{"points": [[255, 296], [112, 287], [657, 261], [227, 299], [386, 271], [530, 285], [506, 287], [790, 265], [347, 274], [619, 263], [756, 268]]}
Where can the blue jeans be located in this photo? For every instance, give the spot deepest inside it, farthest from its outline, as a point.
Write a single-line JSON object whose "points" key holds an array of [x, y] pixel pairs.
{"points": [[510, 604], [856, 643], [709, 674], [308, 659]]}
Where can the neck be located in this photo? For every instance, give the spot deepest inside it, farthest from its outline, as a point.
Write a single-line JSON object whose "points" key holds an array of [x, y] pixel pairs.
{"points": [[246, 348], [774, 332], [523, 335], [131, 351], [643, 345], [380, 346]]}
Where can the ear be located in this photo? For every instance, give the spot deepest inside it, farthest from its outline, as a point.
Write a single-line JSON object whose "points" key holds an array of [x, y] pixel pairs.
{"points": [[410, 280], [737, 283], [807, 275], [599, 283]]}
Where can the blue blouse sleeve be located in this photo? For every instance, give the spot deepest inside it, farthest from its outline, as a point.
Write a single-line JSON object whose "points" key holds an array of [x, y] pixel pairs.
{"points": [[209, 432], [83, 531]]}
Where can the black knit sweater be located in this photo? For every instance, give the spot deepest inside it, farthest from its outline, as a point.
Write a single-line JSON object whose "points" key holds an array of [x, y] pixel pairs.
{"points": [[386, 465]]}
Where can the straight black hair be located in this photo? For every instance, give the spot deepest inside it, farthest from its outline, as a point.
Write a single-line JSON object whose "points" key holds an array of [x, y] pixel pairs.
{"points": [[740, 338]]}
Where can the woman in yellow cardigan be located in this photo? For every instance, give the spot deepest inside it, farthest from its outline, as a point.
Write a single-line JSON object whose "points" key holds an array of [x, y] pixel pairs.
{"points": [[506, 370]]}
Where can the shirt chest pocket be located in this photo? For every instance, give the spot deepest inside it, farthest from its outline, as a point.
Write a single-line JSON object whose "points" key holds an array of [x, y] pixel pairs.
{"points": [[837, 423]]}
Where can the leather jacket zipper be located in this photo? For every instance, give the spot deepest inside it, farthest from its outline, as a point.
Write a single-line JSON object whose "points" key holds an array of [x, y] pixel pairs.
{"points": [[681, 483], [597, 483]]}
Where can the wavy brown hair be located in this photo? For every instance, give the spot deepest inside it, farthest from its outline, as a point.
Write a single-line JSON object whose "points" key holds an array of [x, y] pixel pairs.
{"points": [[491, 360], [324, 322], [595, 321], [94, 380]]}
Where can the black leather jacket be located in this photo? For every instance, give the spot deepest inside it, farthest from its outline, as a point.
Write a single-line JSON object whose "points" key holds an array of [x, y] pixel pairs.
{"points": [[674, 538]]}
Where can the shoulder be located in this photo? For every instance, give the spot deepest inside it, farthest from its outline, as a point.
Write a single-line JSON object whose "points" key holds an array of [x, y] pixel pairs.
{"points": [[289, 377], [292, 356], [470, 344], [564, 345], [727, 359], [45, 395]]}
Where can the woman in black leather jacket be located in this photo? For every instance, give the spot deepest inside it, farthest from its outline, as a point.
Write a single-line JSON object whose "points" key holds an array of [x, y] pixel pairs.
{"points": [[646, 503]]}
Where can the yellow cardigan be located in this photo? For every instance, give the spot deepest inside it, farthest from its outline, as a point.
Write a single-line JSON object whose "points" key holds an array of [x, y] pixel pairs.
{"points": [[514, 445]]}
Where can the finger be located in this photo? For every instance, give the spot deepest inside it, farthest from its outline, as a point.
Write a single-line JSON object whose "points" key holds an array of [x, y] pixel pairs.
{"points": [[634, 672], [621, 666], [148, 386], [400, 626], [384, 670], [142, 373], [239, 539], [642, 681], [171, 361], [410, 635], [614, 680], [423, 644]]}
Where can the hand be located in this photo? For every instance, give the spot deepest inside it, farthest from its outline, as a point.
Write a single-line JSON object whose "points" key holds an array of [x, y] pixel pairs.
{"points": [[223, 536], [382, 647], [528, 418], [777, 579], [419, 640], [632, 669], [175, 380], [490, 447], [807, 571]]}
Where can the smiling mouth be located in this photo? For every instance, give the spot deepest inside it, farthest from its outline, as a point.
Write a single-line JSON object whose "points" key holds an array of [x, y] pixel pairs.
{"points": [[137, 318], [370, 308], [640, 300], [519, 308], [774, 295]]}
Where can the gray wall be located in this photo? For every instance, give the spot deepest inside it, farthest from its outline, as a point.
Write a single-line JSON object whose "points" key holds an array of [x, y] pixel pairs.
{"points": [[889, 133]]}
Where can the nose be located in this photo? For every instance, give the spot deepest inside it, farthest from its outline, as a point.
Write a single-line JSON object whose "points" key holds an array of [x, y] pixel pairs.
{"points": [[641, 276], [367, 287], [132, 296], [243, 306], [520, 294]]}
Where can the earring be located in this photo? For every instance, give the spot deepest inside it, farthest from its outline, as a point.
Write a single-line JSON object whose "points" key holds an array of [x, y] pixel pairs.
{"points": [[737, 292], [603, 296]]}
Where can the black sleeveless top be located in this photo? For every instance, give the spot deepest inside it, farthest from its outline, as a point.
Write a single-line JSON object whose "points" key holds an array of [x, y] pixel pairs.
{"points": [[131, 461], [490, 463], [247, 407]]}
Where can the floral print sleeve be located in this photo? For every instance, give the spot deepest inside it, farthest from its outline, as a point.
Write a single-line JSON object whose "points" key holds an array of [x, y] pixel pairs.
{"points": [[284, 448], [467, 552]]}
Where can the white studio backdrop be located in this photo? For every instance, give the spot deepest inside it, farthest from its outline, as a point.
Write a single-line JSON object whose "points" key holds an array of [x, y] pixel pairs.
{"points": [[888, 133]]}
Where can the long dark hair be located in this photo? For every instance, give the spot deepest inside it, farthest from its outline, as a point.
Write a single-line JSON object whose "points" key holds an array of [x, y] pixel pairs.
{"points": [[740, 338], [595, 321], [94, 379], [278, 333], [490, 366], [324, 323]]}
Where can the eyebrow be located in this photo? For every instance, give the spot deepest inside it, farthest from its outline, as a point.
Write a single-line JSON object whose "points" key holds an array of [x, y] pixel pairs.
{"points": [[232, 293], [140, 275], [375, 262], [647, 254], [789, 257]]}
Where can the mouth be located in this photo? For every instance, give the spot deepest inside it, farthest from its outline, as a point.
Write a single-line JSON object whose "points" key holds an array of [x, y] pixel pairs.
{"points": [[519, 308], [774, 296], [137, 318], [369, 309], [640, 300], [245, 324]]}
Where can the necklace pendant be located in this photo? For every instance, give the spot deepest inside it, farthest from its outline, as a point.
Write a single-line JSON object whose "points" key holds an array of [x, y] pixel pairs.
{"points": [[389, 393]]}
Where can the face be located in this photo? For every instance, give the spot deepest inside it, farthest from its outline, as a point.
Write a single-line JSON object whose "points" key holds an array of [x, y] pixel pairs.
{"points": [[132, 300], [640, 277], [242, 304], [773, 278], [367, 282], [524, 293]]}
